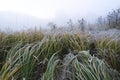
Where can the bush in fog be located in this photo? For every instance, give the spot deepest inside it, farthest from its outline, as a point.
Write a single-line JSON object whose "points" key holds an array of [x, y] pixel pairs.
{"points": [[52, 25]]}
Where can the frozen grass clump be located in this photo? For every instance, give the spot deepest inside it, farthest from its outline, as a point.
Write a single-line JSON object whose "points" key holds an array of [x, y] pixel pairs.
{"points": [[58, 56]]}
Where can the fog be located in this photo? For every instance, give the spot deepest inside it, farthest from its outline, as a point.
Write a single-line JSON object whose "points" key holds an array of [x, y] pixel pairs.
{"points": [[22, 14]]}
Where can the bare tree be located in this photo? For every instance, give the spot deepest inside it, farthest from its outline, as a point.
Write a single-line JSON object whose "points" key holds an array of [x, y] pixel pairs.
{"points": [[102, 23], [70, 24], [82, 23]]}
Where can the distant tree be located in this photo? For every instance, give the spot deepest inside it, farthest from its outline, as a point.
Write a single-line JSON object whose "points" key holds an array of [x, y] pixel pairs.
{"points": [[70, 24], [82, 23], [101, 23], [35, 28], [52, 25], [109, 19], [100, 20]]}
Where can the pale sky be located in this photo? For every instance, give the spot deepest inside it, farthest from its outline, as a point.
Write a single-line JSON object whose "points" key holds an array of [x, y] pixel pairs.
{"points": [[46, 9], [20, 14]]}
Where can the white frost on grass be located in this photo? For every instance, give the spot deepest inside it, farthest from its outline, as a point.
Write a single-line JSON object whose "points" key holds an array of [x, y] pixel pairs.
{"points": [[111, 33]]}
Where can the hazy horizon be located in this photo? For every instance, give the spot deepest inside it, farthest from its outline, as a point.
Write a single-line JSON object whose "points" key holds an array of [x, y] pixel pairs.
{"points": [[58, 11]]}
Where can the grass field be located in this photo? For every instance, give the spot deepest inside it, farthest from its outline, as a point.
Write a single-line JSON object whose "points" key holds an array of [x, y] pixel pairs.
{"points": [[58, 56]]}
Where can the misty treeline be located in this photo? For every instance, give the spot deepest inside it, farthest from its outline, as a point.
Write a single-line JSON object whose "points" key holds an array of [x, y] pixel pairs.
{"points": [[113, 19], [81, 25], [110, 21]]}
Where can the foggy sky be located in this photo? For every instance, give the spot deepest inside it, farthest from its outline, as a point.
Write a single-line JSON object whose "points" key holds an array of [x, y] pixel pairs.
{"points": [[60, 10]]}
